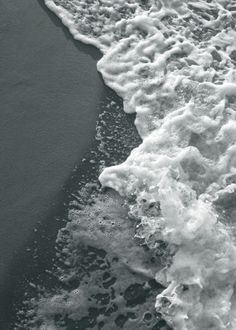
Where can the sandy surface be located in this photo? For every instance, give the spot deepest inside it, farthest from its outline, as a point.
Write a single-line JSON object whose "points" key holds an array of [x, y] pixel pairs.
{"points": [[50, 91]]}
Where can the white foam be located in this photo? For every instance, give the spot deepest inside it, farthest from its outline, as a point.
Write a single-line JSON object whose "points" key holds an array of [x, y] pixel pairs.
{"points": [[172, 63]]}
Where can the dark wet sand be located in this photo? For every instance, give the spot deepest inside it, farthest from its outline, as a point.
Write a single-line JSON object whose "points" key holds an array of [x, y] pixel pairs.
{"points": [[51, 96], [50, 90]]}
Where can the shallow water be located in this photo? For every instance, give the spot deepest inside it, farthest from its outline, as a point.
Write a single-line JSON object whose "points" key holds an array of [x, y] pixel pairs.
{"points": [[173, 63]]}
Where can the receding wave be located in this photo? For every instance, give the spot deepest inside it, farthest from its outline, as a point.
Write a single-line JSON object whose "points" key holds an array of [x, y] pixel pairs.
{"points": [[173, 64]]}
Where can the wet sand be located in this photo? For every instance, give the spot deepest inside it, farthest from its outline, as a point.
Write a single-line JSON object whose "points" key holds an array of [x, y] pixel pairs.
{"points": [[50, 94], [51, 98], [50, 91]]}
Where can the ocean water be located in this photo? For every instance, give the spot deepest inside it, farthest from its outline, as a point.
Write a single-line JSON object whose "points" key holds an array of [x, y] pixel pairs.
{"points": [[163, 254]]}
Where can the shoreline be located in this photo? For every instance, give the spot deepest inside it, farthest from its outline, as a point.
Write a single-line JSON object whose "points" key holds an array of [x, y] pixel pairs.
{"points": [[41, 247], [32, 260], [20, 240]]}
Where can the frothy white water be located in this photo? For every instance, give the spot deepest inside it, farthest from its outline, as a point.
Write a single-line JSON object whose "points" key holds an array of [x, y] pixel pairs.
{"points": [[173, 63]]}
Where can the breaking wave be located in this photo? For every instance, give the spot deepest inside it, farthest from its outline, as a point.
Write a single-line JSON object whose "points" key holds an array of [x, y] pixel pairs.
{"points": [[173, 64]]}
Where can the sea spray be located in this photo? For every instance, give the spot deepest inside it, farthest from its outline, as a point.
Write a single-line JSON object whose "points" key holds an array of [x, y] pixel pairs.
{"points": [[173, 63]]}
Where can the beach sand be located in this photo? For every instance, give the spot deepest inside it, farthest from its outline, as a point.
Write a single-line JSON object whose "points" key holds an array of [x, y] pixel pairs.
{"points": [[50, 91], [50, 94]]}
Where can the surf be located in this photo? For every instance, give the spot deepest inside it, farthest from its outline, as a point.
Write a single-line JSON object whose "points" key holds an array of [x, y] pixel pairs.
{"points": [[173, 64]]}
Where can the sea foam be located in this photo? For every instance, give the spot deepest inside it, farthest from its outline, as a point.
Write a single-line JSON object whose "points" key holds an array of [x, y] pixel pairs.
{"points": [[173, 63]]}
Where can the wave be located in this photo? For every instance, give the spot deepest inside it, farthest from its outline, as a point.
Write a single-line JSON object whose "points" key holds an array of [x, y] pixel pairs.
{"points": [[173, 64]]}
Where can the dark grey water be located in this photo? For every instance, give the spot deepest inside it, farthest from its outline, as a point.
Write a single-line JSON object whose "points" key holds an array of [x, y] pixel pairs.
{"points": [[49, 91]]}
